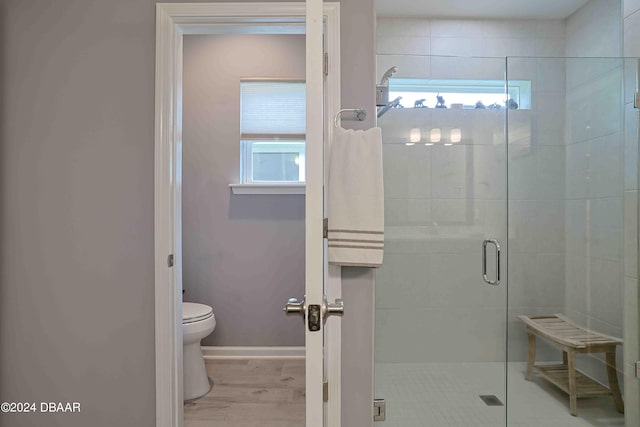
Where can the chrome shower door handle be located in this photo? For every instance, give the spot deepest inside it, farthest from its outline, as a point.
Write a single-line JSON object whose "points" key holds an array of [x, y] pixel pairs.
{"points": [[484, 262]]}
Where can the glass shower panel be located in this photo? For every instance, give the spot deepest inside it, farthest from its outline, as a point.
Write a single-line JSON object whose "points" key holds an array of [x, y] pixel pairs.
{"points": [[572, 264], [440, 330]]}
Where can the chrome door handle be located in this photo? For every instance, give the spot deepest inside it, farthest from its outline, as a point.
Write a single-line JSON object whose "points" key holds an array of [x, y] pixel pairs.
{"points": [[484, 262], [332, 308], [294, 307]]}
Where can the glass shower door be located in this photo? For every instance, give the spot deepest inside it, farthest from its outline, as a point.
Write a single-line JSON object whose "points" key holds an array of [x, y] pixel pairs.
{"points": [[572, 265], [440, 348]]}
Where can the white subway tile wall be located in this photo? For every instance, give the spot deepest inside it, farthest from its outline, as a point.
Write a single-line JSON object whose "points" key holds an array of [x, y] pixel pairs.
{"points": [[463, 189], [442, 201], [467, 38], [594, 277]]}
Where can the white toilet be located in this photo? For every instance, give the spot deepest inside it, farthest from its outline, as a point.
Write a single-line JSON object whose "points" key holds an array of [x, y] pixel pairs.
{"points": [[198, 322]]}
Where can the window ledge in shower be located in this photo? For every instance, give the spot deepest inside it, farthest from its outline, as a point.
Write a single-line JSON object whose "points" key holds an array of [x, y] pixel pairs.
{"points": [[271, 188]]}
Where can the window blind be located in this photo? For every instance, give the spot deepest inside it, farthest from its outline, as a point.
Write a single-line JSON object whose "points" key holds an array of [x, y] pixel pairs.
{"points": [[277, 107]]}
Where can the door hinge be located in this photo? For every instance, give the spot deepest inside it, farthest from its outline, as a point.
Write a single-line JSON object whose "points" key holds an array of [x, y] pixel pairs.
{"points": [[326, 64], [637, 369], [325, 228], [325, 391], [170, 260], [379, 409], [636, 100]]}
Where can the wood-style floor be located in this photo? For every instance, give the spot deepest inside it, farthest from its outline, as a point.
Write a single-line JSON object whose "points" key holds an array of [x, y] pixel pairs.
{"points": [[251, 393]]}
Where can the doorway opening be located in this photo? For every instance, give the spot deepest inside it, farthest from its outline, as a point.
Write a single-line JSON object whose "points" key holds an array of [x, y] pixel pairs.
{"points": [[175, 24]]}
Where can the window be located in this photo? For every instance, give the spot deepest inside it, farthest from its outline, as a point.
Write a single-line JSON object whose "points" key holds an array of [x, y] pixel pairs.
{"points": [[491, 93], [272, 128]]}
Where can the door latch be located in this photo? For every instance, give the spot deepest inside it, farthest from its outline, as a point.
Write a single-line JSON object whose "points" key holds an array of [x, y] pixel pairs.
{"points": [[314, 317], [319, 313]]}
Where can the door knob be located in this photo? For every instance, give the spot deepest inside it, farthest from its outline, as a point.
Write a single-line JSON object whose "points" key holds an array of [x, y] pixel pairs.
{"points": [[316, 312], [332, 309], [293, 307]]}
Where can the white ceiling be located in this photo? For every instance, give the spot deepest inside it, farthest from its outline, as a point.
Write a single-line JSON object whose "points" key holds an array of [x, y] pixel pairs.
{"points": [[498, 9]]}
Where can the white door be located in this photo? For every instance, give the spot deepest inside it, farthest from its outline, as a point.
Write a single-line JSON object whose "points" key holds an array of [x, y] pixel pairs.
{"points": [[314, 214], [314, 307]]}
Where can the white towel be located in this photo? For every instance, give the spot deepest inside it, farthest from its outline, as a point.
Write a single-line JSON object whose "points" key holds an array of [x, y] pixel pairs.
{"points": [[356, 198]]}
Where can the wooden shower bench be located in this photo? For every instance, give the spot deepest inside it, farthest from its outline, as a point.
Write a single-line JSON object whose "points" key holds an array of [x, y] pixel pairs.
{"points": [[571, 339]]}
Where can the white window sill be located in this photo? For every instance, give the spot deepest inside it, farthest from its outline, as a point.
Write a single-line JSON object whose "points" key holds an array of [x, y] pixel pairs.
{"points": [[289, 188]]}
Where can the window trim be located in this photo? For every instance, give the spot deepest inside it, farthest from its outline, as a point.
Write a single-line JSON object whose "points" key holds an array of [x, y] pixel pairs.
{"points": [[272, 188]]}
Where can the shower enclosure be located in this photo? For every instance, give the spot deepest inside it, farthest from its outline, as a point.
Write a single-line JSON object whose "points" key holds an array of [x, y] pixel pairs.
{"points": [[515, 193]]}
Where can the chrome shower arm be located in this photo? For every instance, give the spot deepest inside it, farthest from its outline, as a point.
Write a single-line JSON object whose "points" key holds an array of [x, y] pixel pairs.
{"points": [[392, 104]]}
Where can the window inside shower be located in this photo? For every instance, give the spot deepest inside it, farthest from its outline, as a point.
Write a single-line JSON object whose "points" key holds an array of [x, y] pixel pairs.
{"points": [[460, 93]]}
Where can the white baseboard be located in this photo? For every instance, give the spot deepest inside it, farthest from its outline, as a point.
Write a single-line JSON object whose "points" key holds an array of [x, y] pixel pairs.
{"points": [[215, 352]]}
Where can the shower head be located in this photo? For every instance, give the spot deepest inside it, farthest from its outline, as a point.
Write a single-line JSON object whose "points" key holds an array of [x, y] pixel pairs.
{"points": [[382, 89], [387, 75]]}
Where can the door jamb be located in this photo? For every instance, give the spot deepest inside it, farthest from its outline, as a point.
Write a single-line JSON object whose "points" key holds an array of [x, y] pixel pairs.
{"points": [[173, 20]]}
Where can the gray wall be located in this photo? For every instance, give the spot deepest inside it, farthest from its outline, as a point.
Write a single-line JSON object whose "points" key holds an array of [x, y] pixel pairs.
{"points": [[76, 251], [357, 19], [76, 254], [242, 254]]}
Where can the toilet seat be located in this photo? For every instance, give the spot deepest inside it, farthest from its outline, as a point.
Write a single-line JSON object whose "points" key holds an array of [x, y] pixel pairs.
{"points": [[193, 312]]}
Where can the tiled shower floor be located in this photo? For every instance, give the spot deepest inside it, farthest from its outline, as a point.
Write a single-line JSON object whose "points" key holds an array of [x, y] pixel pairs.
{"points": [[444, 395]]}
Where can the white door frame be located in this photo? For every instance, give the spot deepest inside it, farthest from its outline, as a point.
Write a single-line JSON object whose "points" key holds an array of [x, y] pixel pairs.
{"points": [[173, 20]]}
